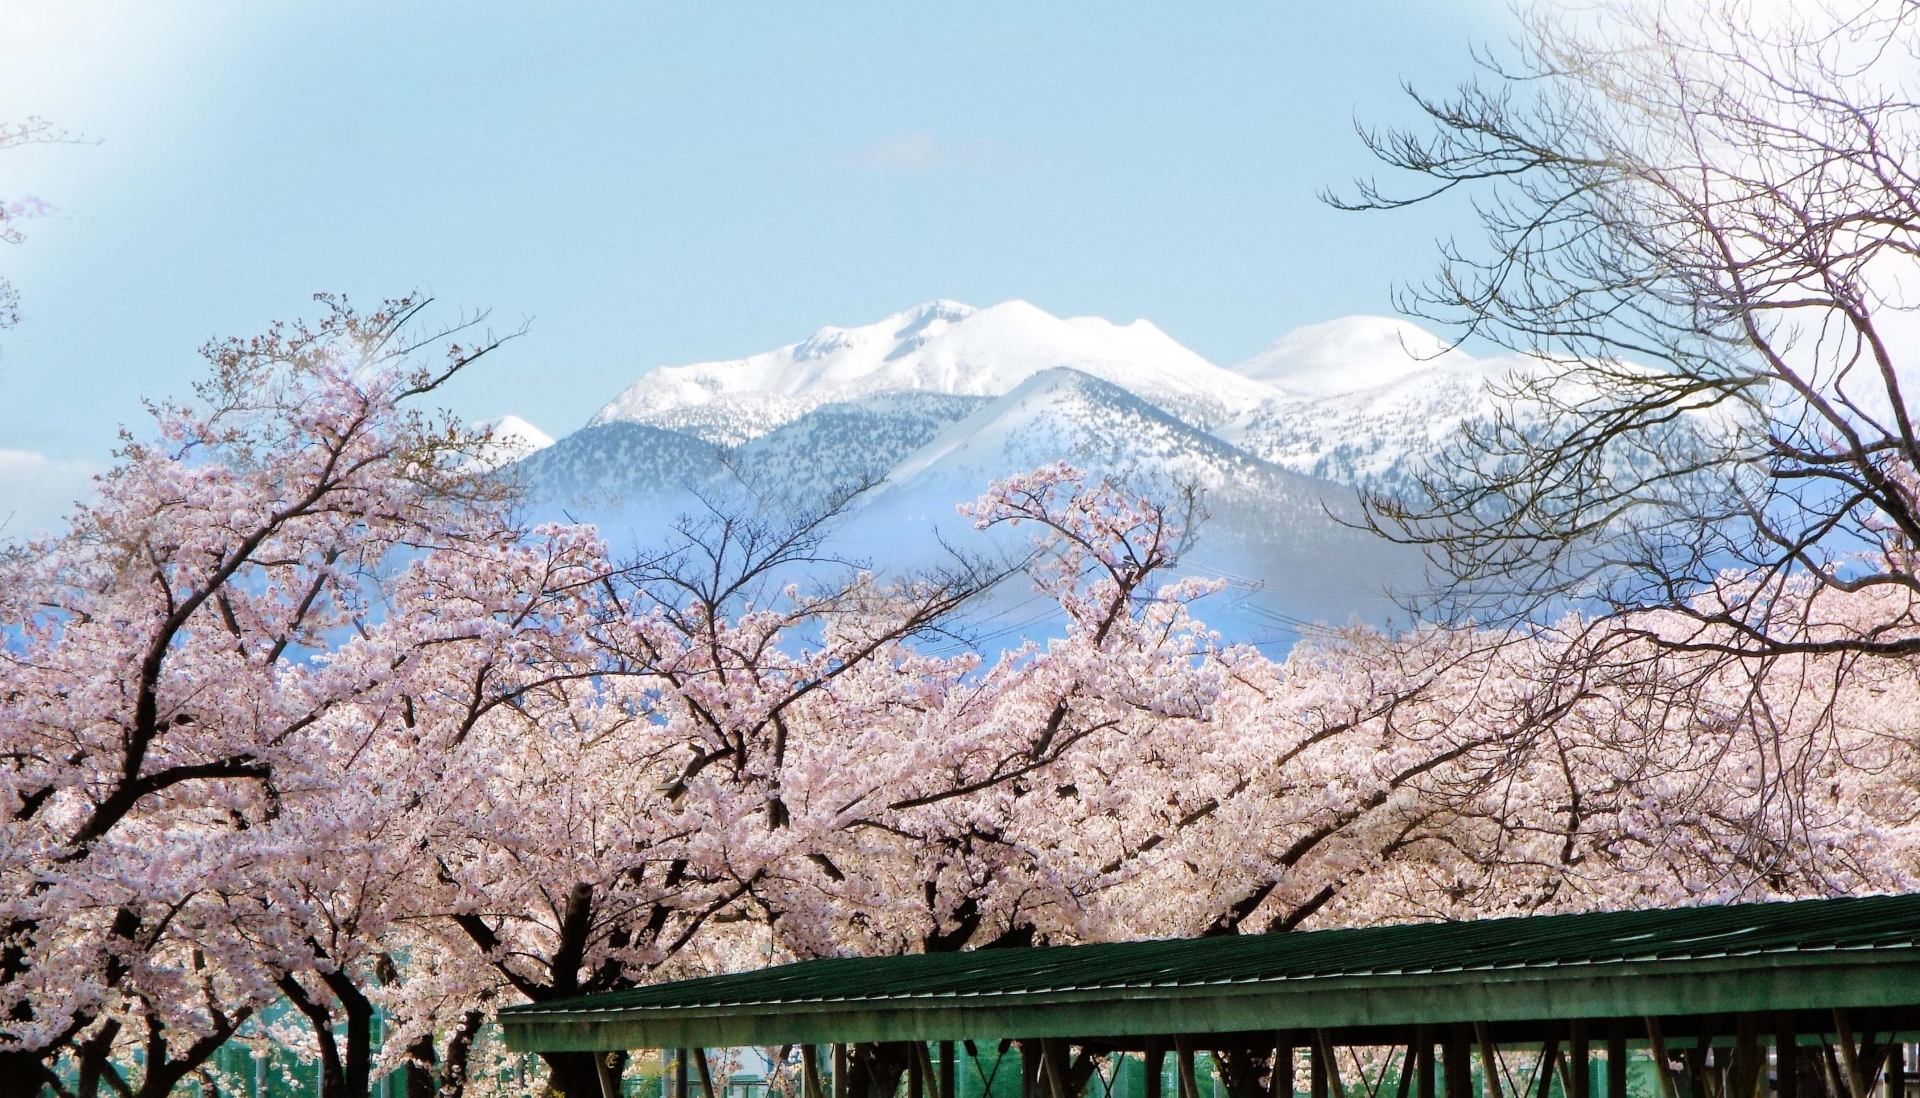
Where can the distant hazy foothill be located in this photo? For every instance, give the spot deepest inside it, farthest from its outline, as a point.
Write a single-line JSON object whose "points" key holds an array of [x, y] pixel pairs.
{"points": [[933, 402]]}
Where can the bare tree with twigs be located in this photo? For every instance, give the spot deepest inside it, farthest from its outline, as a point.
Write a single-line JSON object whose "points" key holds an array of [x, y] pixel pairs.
{"points": [[1704, 221]]}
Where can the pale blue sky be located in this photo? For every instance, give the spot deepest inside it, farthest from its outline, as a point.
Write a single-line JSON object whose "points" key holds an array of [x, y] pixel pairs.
{"points": [[660, 184]]}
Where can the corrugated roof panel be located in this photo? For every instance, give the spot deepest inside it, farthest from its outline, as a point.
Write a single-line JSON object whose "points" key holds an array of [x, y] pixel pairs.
{"points": [[1862, 923]]}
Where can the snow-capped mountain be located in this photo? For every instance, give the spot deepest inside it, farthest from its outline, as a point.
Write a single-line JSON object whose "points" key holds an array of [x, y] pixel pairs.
{"points": [[1063, 414], [516, 433], [940, 347], [1265, 526], [613, 466], [509, 439], [1363, 400], [926, 406], [1374, 438], [1346, 356], [849, 442]]}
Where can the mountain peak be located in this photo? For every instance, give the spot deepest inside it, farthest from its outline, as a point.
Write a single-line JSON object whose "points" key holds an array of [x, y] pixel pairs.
{"points": [[509, 439], [1345, 356], [939, 347], [938, 309], [931, 404], [1057, 412], [513, 429]]}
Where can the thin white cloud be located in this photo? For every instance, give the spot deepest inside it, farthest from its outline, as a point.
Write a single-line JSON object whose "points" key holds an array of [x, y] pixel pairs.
{"points": [[37, 493], [920, 153]]}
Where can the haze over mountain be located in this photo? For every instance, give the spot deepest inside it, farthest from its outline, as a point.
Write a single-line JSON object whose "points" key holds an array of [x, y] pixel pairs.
{"points": [[930, 404]]}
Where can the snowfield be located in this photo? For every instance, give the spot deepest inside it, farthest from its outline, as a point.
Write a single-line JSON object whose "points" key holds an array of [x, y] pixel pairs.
{"points": [[939, 347]]}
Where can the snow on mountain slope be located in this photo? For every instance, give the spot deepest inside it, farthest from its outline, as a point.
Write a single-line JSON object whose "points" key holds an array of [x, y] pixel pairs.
{"points": [[939, 400], [1263, 523], [637, 467], [1063, 414], [850, 442], [1346, 355], [510, 439], [1364, 400], [603, 468], [517, 432], [1376, 437], [940, 347]]}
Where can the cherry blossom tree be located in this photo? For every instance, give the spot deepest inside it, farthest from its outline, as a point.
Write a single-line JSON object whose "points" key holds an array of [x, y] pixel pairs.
{"points": [[471, 632], [631, 827], [300, 710], [167, 680], [1661, 777], [1131, 777]]}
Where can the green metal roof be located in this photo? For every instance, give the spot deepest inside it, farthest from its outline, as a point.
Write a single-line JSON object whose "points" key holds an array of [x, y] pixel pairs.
{"points": [[1774, 956]]}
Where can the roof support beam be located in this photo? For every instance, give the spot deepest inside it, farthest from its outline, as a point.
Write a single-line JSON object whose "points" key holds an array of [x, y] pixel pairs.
{"points": [[1391, 1000]]}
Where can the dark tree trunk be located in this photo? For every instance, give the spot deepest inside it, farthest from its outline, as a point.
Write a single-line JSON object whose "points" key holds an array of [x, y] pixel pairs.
{"points": [[572, 1074], [332, 1075], [453, 1076], [1242, 1069], [21, 1074], [94, 1063], [165, 1068], [357, 1070], [874, 1070], [422, 1057], [430, 1076]]}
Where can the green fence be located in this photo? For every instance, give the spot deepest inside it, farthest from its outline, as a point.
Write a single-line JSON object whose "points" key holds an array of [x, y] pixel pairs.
{"points": [[255, 1067]]}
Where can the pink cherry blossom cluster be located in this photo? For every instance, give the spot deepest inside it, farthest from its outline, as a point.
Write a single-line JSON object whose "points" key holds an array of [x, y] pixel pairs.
{"points": [[299, 711]]}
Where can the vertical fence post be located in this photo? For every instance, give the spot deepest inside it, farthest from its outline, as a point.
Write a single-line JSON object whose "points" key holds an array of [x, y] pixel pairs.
{"points": [[1280, 1085], [1423, 1067], [1786, 1056], [1579, 1061], [1459, 1074], [1616, 1058], [1189, 1081]]}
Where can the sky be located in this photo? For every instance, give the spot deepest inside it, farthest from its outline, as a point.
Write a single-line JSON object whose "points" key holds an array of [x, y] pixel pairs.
{"points": [[657, 184]]}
